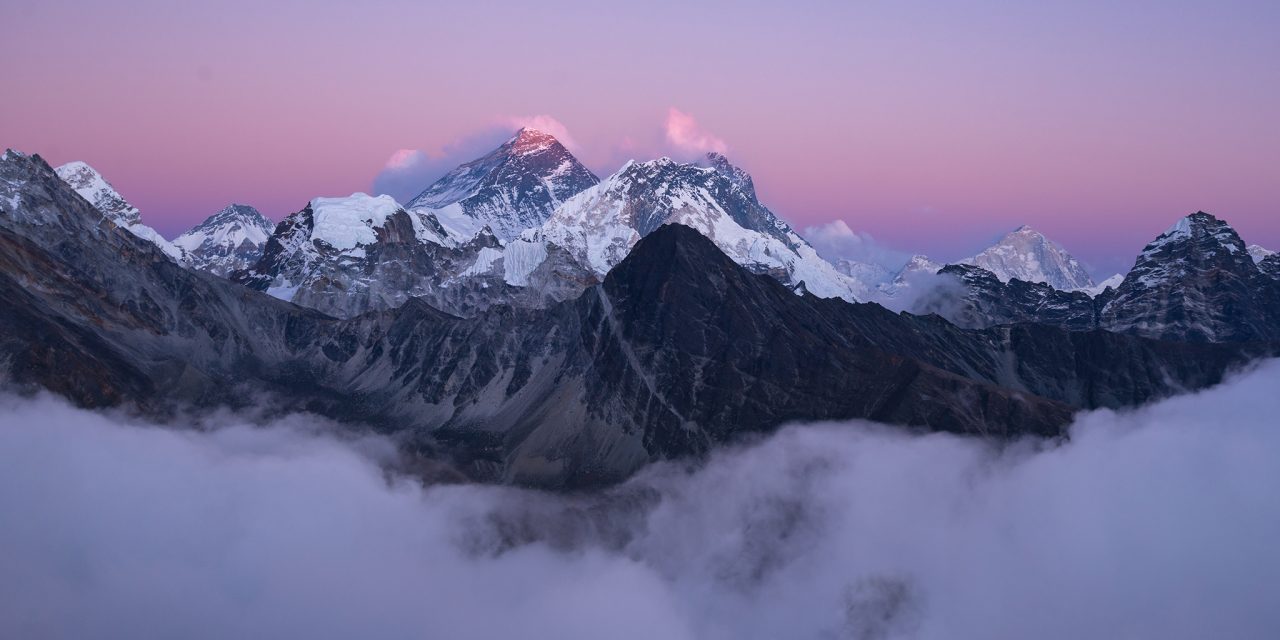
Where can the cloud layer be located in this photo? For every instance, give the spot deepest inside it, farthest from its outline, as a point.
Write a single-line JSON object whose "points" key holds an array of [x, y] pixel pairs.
{"points": [[1155, 523]]}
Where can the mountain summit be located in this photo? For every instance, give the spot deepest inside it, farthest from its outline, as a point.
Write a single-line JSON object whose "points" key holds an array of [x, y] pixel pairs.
{"points": [[513, 188], [1027, 255], [1196, 282], [226, 241], [93, 187]]}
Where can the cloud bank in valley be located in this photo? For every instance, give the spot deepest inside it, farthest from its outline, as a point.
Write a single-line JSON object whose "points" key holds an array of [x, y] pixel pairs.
{"points": [[1159, 522]]}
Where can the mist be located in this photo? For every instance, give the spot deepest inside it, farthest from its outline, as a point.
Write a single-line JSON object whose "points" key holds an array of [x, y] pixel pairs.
{"points": [[1158, 522]]}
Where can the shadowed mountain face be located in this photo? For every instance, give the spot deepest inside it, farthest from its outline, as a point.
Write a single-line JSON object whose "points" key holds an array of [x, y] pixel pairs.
{"points": [[678, 349], [1196, 282]]}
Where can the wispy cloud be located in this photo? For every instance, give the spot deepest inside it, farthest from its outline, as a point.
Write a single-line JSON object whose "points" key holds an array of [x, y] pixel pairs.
{"points": [[835, 240], [685, 134]]}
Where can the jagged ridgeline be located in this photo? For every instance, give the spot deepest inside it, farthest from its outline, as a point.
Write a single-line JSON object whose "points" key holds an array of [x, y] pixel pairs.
{"points": [[664, 349]]}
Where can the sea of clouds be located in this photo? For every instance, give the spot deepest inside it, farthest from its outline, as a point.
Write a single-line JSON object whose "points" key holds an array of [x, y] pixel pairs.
{"points": [[1157, 523]]}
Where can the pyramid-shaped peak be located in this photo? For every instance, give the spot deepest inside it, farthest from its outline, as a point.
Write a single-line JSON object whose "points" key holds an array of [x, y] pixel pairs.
{"points": [[528, 140], [1026, 254], [237, 213], [1200, 234], [1199, 221], [510, 189]]}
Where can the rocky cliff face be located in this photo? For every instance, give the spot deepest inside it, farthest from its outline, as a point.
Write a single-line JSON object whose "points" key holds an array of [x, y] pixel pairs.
{"points": [[1196, 282], [1270, 266]]}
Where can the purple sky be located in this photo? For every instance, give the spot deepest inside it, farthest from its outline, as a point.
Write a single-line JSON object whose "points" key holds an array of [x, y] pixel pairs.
{"points": [[932, 128]]}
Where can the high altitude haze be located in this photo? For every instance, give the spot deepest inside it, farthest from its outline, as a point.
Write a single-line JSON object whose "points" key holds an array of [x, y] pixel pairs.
{"points": [[936, 129]]}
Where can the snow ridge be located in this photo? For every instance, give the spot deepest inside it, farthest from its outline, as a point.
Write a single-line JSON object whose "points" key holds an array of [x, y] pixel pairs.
{"points": [[599, 226], [93, 187]]}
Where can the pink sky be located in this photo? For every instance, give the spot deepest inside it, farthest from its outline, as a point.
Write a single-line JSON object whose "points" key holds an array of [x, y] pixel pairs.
{"points": [[933, 129]]}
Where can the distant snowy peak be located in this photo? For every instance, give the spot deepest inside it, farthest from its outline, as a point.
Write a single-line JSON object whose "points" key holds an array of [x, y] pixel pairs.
{"points": [[93, 187], [232, 225], [1027, 255], [1259, 253], [867, 273], [1110, 283], [600, 225], [229, 240], [916, 268], [919, 264], [515, 187], [346, 224]]}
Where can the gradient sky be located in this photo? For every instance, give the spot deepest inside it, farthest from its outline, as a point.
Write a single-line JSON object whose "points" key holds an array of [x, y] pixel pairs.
{"points": [[932, 128]]}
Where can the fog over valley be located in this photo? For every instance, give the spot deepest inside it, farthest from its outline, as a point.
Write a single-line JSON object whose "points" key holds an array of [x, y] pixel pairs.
{"points": [[1155, 522]]}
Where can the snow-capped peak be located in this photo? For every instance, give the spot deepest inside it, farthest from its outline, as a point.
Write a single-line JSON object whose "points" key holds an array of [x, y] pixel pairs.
{"points": [[1193, 228], [344, 223], [1026, 254], [1195, 279], [226, 241], [1259, 253], [529, 140], [918, 264], [600, 225], [94, 188], [1110, 283], [231, 226], [513, 188]]}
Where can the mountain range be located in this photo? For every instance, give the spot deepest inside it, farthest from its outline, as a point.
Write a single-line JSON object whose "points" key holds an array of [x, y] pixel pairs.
{"points": [[523, 321]]}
